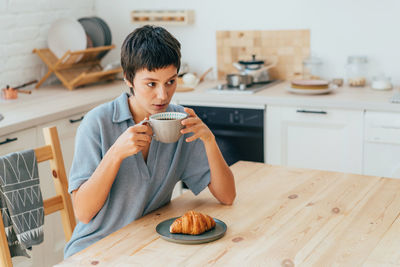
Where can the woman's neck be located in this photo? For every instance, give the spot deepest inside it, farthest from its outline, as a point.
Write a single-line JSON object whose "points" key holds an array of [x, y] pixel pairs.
{"points": [[138, 114]]}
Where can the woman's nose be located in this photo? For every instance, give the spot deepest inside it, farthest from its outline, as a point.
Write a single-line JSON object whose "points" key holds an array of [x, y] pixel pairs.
{"points": [[162, 93]]}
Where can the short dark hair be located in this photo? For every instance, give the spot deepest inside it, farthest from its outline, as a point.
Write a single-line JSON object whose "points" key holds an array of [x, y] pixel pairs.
{"points": [[149, 47]]}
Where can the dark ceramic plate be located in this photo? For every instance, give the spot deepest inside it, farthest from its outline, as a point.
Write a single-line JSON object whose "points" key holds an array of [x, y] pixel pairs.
{"points": [[212, 235], [94, 30]]}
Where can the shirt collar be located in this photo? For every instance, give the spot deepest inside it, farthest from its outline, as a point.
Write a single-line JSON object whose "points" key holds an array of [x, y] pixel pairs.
{"points": [[121, 109]]}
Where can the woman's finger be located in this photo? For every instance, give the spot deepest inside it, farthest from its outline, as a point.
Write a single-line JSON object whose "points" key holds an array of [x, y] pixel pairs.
{"points": [[192, 138], [190, 112], [142, 137], [141, 128], [194, 128], [190, 120]]}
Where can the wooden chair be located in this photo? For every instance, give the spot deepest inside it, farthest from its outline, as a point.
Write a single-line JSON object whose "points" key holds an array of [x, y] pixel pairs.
{"points": [[61, 202]]}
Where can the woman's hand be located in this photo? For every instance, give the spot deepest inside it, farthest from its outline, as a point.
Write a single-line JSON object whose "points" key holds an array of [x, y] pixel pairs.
{"points": [[196, 126], [133, 140]]}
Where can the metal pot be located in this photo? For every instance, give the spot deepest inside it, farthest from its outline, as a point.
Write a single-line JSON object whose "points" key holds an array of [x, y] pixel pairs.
{"points": [[236, 79], [255, 68]]}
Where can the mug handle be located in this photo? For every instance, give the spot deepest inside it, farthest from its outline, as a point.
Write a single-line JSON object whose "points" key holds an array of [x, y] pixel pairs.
{"points": [[144, 121]]}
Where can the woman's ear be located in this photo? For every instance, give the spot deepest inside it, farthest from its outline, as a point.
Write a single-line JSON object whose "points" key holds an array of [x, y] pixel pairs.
{"points": [[127, 82]]}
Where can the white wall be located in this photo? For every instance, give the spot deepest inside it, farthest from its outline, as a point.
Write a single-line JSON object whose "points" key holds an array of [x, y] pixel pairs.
{"points": [[338, 28], [23, 26]]}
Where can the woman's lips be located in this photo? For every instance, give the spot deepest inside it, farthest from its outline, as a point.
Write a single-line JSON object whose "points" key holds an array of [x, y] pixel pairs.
{"points": [[162, 106]]}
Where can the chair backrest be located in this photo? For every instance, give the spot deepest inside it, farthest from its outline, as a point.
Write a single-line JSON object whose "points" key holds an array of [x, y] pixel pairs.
{"points": [[61, 202]]}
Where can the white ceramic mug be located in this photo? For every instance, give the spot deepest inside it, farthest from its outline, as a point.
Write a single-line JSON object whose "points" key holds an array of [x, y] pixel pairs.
{"points": [[166, 126]]}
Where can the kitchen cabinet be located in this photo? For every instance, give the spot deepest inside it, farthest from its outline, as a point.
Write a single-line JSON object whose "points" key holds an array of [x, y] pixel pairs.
{"points": [[382, 144], [18, 141], [316, 138]]}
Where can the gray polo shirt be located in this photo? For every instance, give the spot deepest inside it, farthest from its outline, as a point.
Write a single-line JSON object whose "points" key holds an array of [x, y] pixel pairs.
{"points": [[139, 187]]}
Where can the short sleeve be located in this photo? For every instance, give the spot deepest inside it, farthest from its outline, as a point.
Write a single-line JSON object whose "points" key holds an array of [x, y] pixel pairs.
{"points": [[196, 174], [88, 153]]}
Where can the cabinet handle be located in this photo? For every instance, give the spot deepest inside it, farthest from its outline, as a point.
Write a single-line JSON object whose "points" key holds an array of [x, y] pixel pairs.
{"points": [[311, 111], [77, 120], [8, 140]]}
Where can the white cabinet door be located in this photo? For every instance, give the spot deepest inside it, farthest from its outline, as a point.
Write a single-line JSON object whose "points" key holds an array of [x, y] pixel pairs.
{"points": [[55, 240], [325, 139], [25, 139], [382, 144]]}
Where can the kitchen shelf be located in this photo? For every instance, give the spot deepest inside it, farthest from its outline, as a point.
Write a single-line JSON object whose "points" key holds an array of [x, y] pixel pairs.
{"points": [[163, 17], [77, 68]]}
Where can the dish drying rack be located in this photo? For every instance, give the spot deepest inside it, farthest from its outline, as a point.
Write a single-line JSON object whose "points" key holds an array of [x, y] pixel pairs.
{"points": [[77, 68]]}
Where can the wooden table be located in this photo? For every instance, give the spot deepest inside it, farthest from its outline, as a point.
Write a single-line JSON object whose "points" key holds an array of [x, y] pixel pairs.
{"points": [[281, 217]]}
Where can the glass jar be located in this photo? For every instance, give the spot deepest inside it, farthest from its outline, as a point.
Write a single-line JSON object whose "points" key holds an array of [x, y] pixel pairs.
{"points": [[312, 68], [381, 82], [357, 71]]}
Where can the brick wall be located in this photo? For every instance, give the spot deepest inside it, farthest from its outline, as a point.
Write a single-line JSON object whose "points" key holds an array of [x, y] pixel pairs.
{"points": [[24, 25]]}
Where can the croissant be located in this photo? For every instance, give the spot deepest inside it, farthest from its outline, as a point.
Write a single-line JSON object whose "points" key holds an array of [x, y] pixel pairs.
{"points": [[192, 223]]}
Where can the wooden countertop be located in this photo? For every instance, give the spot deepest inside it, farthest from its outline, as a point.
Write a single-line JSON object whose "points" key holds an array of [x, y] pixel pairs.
{"points": [[281, 217]]}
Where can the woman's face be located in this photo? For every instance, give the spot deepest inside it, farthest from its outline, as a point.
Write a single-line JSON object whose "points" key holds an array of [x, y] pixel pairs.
{"points": [[153, 90]]}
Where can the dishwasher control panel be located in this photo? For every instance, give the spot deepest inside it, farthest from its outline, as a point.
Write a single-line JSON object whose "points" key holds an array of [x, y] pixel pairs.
{"points": [[230, 116]]}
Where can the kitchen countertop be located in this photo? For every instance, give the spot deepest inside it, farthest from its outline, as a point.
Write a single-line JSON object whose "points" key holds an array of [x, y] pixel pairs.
{"points": [[281, 217], [342, 97], [55, 102]]}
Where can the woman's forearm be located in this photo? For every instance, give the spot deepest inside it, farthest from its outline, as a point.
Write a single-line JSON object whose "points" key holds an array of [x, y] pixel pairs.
{"points": [[222, 184], [90, 197]]}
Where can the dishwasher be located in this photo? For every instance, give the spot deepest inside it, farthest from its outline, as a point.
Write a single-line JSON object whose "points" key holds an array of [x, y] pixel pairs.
{"points": [[382, 144]]}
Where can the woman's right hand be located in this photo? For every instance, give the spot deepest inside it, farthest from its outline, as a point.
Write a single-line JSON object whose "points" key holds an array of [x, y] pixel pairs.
{"points": [[133, 140]]}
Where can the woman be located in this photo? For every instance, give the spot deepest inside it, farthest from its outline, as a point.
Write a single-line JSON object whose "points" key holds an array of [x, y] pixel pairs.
{"points": [[119, 173]]}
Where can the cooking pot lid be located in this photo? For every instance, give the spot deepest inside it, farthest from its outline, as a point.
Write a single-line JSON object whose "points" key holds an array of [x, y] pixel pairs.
{"points": [[252, 62]]}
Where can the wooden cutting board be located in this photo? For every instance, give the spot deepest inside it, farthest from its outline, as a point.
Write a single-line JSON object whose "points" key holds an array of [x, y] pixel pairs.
{"points": [[290, 47]]}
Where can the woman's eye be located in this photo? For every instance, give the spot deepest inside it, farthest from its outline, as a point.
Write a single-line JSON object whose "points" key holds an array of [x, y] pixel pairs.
{"points": [[152, 84], [171, 82]]}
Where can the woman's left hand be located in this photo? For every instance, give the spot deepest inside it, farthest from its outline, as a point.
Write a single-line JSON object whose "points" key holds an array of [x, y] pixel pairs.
{"points": [[196, 126]]}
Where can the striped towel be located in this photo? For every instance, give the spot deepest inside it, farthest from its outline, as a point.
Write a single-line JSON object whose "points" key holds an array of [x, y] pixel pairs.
{"points": [[21, 201]]}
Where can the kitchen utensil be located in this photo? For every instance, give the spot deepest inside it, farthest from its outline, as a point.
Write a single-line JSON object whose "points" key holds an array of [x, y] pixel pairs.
{"points": [[205, 74], [25, 84], [12, 92], [255, 68], [66, 35], [235, 79]]}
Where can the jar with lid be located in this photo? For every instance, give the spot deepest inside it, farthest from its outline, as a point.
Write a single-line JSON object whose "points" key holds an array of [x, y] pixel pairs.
{"points": [[356, 69], [312, 68]]}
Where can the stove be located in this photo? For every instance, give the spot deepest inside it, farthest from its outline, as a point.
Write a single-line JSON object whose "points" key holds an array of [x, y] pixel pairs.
{"points": [[255, 87]]}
